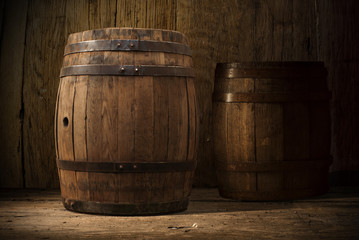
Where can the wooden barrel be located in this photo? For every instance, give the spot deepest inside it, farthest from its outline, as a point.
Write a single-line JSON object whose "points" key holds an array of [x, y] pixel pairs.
{"points": [[271, 130], [126, 124]]}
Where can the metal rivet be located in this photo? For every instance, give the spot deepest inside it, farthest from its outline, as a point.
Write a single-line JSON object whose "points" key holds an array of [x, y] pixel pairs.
{"points": [[122, 69], [121, 166], [136, 69], [134, 166], [118, 44], [131, 45]]}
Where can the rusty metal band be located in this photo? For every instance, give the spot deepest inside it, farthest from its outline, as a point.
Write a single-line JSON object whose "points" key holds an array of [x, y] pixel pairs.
{"points": [[126, 209], [127, 70], [127, 45], [274, 166], [270, 73], [270, 97], [111, 167]]}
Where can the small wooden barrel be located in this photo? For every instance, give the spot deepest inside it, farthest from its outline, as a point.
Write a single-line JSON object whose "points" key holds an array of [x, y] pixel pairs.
{"points": [[126, 126], [271, 130]]}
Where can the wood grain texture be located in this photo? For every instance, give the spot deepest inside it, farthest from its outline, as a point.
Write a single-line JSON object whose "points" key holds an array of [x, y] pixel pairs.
{"points": [[48, 26], [270, 150], [101, 14], [144, 123], [11, 81], [234, 134], [159, 14], [218, 31], [245, 31], [338, 36], [127, 119], [332, 216], [44, 35], [2, 13], [64, 132], [269, 143], [126, 140]]}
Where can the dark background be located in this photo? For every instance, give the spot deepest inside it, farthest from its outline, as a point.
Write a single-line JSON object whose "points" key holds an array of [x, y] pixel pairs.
{"points": [[34, 33]]}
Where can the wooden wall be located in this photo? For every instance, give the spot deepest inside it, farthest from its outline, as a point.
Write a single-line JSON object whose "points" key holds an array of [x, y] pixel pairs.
{"points": [[34, 32], [339, 48]]}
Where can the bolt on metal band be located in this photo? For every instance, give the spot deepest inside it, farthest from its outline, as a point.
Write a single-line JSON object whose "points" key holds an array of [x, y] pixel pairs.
{"points": [[112, 167], [127, 70]]}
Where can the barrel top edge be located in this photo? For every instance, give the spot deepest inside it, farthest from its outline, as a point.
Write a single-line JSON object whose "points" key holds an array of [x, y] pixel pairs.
{"points": [[131, 28], [270, 64], [99, 33]]}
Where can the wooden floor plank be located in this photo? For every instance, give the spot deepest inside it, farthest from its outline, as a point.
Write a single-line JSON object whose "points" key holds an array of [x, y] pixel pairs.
{"points": [[27, 214]]}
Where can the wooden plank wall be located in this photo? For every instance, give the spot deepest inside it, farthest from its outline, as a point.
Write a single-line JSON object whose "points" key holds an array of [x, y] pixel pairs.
{"points": [[11, 88], [34, 32], [339, 37]]}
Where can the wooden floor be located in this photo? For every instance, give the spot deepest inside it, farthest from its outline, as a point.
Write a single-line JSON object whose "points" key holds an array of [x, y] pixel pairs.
{"points": [[40, 215]]}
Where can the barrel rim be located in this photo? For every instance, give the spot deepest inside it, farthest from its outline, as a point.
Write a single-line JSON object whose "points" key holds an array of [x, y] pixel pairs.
{"points": [[125, 209], [129, 28], [261, 70], [271, 97], [270, 64]]}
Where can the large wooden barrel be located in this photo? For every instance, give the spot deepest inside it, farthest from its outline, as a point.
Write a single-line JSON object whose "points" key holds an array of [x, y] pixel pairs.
{"points": [[271, 130], [126, 124]]}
